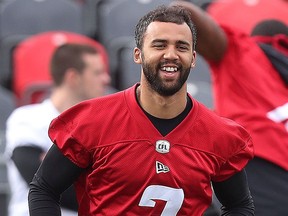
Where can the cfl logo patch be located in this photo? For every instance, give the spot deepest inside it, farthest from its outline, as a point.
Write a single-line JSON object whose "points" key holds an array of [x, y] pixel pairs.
{"points": [[162, 146]]}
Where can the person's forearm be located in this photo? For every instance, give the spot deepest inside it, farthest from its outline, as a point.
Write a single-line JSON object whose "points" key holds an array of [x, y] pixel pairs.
{"points": [[40, 201], [234, 195], [211, 39], [27, 159], [54, 176], [68, 199]]}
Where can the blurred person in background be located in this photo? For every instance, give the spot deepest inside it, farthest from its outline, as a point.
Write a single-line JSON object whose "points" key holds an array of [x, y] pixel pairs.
{"points": [[78, 73], [250, 82]]}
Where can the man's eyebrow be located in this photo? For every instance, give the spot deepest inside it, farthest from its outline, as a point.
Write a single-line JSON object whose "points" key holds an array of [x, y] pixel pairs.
{"points": [[183, 42], [159, 41], [164, 41]]}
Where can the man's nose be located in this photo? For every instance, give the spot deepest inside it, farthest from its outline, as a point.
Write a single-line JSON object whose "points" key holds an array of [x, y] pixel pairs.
{"points": [[171, 53]]}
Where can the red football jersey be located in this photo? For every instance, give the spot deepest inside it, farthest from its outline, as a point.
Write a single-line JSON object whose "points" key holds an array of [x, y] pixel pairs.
{"points": [[249, 90], [133, 170]]}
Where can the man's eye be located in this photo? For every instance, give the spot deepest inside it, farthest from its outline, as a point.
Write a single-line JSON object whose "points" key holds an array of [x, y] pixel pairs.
{"points": [[184, 48], [159, 46]]}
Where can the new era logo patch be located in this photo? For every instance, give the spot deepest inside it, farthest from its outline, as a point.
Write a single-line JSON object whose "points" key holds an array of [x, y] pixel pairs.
{"points": [[161, 168]]}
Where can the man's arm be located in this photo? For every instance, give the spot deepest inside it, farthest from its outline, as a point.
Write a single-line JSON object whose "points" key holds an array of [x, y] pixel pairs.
{"points": [[53, 177], [27, 159], [211, 39], [235, 196]]}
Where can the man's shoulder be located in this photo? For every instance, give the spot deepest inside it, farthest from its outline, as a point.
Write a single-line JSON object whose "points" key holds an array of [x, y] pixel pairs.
{"points": [[30, 112], [24, 111]]}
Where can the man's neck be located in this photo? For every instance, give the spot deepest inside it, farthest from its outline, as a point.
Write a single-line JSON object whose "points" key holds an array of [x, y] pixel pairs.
{"points": [[160, 106], [62, 101]]}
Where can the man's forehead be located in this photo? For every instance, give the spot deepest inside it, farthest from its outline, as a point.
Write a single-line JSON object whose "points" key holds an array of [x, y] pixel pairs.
{"points": [[166, 30]]}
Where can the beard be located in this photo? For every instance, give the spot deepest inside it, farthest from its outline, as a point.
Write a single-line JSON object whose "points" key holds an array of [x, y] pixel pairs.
{"points": [[161, 86]]}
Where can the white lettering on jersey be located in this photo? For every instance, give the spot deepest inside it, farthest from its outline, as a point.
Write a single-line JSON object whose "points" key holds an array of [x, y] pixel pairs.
{"points": [[280, 114], [162, 146], [173, 196], [160, 167]]}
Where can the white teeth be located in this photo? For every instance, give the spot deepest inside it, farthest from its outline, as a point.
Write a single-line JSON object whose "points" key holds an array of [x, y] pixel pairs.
{"points": [[170, 69]]}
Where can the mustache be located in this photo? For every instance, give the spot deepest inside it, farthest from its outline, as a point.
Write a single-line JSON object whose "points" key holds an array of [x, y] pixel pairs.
{"points": [[173, 62]]}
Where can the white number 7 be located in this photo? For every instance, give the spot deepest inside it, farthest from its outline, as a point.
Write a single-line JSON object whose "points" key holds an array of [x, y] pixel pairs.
{"points": [[174, 198]]}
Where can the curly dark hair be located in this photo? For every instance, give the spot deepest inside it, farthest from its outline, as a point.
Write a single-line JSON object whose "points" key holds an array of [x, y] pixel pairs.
{"points": [[174, 14]]}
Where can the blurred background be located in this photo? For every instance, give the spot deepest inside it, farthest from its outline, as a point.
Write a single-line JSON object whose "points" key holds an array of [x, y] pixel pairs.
{"points": [[31, 29]]}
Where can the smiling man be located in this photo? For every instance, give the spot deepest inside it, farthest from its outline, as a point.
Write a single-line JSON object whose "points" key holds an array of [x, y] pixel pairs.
{"points": [[151, 149]]}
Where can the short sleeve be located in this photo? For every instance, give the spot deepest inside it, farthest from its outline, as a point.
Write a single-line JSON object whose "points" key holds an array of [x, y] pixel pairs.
{"points": [[236, 162], [65, 132]]}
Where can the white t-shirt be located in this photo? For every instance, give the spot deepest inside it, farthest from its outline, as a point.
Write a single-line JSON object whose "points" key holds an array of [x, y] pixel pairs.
{"points": [[27, 126]]}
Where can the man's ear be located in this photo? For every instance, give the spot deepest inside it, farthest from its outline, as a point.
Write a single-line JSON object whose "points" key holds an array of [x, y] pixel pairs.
{"points": [[71, 77], [193, 63], [137, 55]]}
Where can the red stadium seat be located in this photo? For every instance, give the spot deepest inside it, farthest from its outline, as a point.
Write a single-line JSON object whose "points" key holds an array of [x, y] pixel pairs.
{"points": [[31, 57]]}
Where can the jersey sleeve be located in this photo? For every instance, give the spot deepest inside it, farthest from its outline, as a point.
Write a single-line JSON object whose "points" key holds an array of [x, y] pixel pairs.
{"points": [[236, 162], [68, 133], [236, 150]]}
